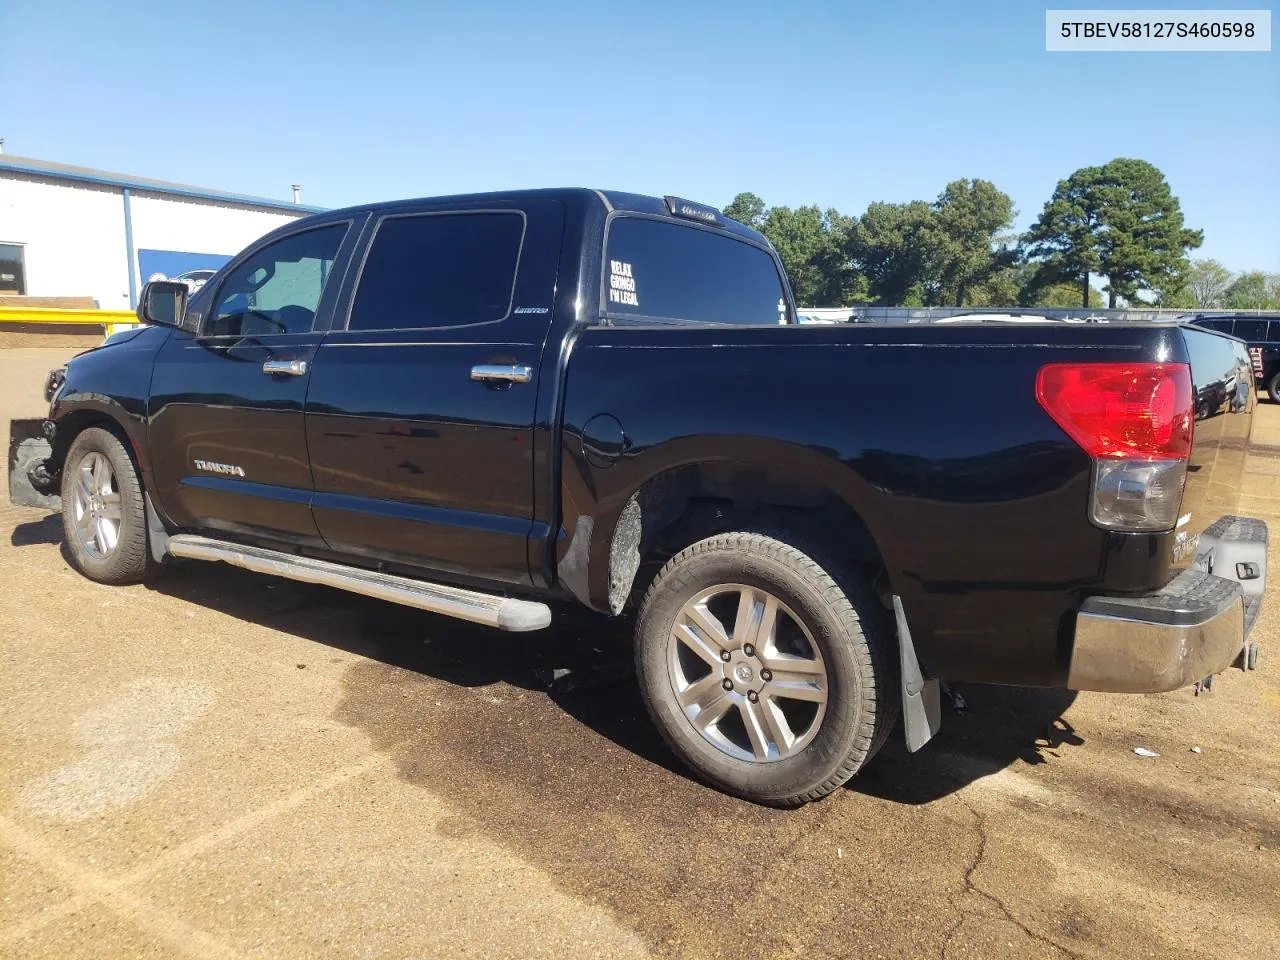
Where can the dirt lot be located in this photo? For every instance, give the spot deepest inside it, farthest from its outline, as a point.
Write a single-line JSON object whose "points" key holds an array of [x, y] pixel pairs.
{"points": [[225, 765]]}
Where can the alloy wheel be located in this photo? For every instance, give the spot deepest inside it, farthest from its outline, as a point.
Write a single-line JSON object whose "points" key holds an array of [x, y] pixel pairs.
{"points": [[97, 506], [747, 673]]}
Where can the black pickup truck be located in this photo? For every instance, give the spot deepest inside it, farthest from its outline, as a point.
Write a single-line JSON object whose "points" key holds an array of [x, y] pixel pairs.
{"points": [[485, 406]]}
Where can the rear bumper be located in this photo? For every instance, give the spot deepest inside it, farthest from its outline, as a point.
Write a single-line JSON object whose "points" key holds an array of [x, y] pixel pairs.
{"points": [[1192, 629]]}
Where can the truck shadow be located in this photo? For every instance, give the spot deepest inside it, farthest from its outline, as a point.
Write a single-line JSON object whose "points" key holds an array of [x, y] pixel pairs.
{"points": [[998, 727], [582, 666], [581, 669], [575, 780]]}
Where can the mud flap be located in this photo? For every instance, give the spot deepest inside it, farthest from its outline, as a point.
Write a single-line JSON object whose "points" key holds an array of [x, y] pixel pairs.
{"points": [[28, 450], [157, 535], [921, 704]]}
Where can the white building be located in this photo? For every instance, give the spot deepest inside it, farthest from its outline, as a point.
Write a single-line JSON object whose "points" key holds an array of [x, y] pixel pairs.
{"points": [[74, 232]]}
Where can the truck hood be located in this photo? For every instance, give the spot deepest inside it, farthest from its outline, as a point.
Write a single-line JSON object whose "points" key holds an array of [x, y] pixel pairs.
{"points": [[124, 336], [127, 336]]}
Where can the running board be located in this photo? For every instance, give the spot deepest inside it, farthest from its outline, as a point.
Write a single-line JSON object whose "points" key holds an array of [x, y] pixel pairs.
{"points": [[504, 613]]}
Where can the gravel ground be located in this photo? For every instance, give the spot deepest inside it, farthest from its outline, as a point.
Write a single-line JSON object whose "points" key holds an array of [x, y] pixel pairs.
{"points": [[225, 765]]}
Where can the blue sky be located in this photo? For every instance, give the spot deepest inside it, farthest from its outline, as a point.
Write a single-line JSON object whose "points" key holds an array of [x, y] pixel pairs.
{"points": [[834, 103]]}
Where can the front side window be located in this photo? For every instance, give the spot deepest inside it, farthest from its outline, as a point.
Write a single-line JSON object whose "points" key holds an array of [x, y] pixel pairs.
{"points": [[438, 270], [277, 289], [668, 271]]}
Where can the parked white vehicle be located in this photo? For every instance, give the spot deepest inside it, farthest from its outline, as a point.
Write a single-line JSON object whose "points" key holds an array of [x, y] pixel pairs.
{"points": [[195, 279], [824, 315]]}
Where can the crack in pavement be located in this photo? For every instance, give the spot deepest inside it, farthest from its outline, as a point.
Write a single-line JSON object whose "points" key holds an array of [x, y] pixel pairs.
{"points": [[971, 886], [952, 931]]}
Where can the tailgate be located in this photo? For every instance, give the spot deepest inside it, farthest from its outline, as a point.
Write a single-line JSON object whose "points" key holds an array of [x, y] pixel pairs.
{"points": [[1225, 401]]}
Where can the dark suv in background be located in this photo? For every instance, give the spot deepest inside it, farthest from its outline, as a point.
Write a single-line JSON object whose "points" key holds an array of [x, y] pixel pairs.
{"points": [[1261, 334]]}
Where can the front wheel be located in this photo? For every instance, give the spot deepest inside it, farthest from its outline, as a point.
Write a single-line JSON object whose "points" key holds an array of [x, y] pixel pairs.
{"points": [[104, 518], [1273, 387], [765, 673]]}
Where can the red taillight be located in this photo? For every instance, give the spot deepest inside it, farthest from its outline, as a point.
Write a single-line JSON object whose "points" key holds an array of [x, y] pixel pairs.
{"points": [[1126, 410]]}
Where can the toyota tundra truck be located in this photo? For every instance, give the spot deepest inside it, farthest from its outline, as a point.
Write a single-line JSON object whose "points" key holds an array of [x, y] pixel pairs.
{"points": [[490, 406]]}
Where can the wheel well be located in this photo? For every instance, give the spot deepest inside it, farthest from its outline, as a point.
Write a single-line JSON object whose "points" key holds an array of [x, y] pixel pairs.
{"points": [[74, 424], [679, 508]]}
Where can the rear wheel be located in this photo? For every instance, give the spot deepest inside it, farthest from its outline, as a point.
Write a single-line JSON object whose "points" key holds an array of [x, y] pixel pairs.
{"points": [[764, 672], [104, 519], [1273, 387]]}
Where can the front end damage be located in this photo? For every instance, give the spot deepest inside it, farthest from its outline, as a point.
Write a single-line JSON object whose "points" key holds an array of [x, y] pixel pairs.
{"points": [[33, 479], [33, 474]]}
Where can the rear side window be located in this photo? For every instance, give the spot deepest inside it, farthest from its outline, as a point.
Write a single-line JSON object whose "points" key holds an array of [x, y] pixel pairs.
{"points": [[438, 270], [1222, 326], [672, 272], [1253, 331]]}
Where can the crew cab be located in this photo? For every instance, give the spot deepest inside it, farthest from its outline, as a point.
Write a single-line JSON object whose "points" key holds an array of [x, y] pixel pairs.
{"points": [[1261, 334], [490, 406]]}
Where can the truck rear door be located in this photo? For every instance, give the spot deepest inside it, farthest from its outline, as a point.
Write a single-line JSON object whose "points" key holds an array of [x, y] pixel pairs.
{"points": [[420, 415]]}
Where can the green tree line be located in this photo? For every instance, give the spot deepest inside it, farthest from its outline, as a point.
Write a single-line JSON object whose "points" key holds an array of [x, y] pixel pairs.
{"points": [[1211, 286], [1119, 221]]}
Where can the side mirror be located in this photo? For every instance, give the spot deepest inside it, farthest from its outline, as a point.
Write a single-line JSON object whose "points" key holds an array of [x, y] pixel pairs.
{"points": [[163, 303]]}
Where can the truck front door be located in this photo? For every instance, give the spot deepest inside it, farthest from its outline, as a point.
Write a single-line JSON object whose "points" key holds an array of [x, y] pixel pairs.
{"points": [[420, 416], [229, 450]]}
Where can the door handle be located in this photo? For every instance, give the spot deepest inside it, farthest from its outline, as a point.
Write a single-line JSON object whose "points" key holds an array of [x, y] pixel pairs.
{"points": [[290, 368], [502, 372]]}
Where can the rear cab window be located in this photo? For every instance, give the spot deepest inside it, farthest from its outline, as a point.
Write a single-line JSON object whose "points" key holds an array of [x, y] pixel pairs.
{"points": [[678, 273]]}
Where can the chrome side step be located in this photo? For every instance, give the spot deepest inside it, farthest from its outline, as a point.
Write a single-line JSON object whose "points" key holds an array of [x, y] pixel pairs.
{"points": [[504, 613]]}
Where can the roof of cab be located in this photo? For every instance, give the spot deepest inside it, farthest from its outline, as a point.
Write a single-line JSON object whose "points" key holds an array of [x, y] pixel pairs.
{"points": [[609, 200]]}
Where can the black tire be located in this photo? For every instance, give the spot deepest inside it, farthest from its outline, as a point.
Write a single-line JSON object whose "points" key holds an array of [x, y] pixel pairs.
{"points": [[1273, 387], [845, 622], [128, 560]]}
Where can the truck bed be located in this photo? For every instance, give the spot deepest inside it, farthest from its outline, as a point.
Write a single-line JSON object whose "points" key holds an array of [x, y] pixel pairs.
{"points": [[930, 435]]}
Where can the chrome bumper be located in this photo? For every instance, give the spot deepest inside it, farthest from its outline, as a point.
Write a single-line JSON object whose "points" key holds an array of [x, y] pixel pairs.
{"points": [[1195, 627], [1190, 630]]}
